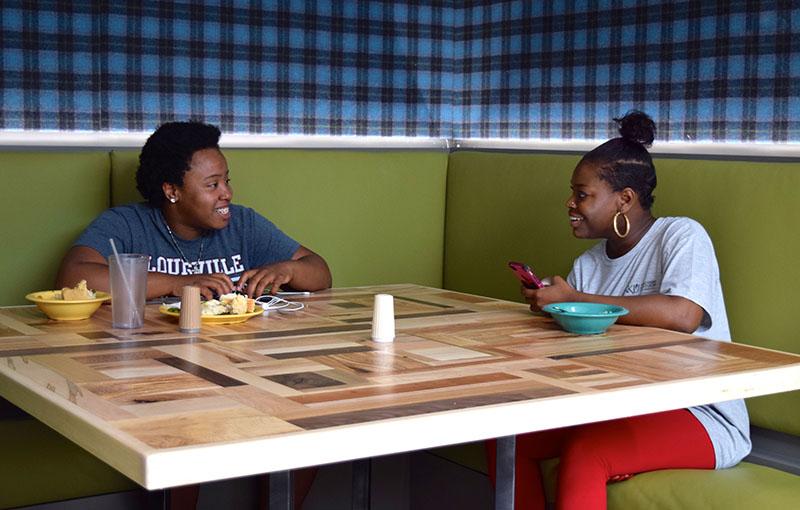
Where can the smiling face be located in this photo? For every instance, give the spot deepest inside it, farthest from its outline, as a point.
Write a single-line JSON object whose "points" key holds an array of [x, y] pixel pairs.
{"points": [[202, 202], [592, 204]]}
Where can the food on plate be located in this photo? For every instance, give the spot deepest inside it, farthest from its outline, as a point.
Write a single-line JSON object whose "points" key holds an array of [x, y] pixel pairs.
{"points": [[229, 304], [78, 292]]}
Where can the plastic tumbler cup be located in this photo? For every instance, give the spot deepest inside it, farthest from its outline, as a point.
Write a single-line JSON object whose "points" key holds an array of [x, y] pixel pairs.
{"points": [[128, 278]]}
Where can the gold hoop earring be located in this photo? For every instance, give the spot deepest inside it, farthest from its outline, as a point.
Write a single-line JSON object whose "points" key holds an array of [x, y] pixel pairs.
{"points": [[627, 225]]}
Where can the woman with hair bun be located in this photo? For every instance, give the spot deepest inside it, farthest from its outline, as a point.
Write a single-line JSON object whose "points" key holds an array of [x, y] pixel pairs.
{"points": [[665, 272]]}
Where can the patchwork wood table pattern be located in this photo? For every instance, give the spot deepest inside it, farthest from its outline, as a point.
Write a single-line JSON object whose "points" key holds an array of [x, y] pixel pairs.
{"points": [[287, 390]]}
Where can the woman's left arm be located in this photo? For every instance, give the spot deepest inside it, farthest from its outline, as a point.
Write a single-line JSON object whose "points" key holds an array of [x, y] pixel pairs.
{"points": [[305, 271], [314, 273], [657, 310]]}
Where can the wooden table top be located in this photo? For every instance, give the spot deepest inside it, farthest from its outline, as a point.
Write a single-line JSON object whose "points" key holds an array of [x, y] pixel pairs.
{"points": [[287, 390]]}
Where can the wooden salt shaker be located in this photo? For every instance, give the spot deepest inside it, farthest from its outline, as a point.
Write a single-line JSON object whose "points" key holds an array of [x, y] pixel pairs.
{"points": [[189, 321]]}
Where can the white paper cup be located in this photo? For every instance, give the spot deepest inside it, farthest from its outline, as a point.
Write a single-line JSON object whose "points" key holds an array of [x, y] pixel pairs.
{"points": [[383, 318], [128, 280]]}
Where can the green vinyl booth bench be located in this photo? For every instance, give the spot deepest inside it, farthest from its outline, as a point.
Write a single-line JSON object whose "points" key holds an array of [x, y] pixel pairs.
{"points": [[441, 219]]}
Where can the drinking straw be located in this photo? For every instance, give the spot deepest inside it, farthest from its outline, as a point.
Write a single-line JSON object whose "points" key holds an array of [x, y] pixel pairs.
{"points": [[124, 281]]}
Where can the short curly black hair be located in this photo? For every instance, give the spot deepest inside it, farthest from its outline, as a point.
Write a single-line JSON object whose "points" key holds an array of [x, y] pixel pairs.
{"points": [[167, 153], [624, 161]]}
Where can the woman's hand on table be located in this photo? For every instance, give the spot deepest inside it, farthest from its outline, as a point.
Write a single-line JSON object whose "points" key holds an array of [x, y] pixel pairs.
{"points": [[305, 271], [210, 285], [256, 281], [557, 291]]}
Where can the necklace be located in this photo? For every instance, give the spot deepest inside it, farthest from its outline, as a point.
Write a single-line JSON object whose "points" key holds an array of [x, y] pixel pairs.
{"points": [[192, 268]]}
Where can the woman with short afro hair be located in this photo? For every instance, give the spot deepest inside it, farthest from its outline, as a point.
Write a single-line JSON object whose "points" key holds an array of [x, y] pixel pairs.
{"points": [[190, 229]]}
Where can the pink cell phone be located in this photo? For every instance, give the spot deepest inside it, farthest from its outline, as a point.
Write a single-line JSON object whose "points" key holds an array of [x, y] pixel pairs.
{"points": [[526, 275]]}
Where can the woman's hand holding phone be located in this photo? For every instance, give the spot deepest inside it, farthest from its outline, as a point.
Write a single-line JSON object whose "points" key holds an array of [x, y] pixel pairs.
{"points": [[526, 275], [558, 291], [539, 292]]}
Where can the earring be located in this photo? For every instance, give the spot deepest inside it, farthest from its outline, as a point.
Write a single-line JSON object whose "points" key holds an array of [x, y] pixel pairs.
{"points": [[627, 225], [173, 199]]}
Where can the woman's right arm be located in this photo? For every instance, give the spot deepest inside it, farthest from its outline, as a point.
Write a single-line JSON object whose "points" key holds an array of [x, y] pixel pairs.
{"points": [[84, 263]]}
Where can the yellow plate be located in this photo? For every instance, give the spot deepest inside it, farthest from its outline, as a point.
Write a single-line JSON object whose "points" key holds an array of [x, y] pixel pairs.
{"points": [[50, 302], [215, 319]]}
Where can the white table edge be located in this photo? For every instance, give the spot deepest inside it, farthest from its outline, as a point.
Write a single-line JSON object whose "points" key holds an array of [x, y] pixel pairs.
{"points": [[155, 468], [78, 425], [195, 464]]}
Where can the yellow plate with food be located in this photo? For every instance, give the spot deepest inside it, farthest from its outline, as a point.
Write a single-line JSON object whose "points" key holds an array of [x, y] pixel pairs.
{"points": [[228, 309], [69, 304]]}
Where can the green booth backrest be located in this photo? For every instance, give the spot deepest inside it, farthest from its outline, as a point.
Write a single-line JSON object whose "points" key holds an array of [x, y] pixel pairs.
{"points": [[50, 197], [503, 206], [749, 209], [376, 216]]}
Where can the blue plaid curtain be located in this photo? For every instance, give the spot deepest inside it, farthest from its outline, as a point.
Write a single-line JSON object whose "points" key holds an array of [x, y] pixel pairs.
{"points": [[724, 70]]}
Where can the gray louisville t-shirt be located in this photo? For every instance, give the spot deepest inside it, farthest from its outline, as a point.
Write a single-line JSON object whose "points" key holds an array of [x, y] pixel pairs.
{"points": [[248, 241], [675, 258]]}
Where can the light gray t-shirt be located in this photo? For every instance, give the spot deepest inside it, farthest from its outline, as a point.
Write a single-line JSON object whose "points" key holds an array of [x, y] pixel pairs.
{"points": [[675, 258]]}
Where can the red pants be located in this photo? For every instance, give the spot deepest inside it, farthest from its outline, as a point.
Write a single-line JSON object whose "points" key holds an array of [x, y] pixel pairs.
{"points": [[592, 454]]}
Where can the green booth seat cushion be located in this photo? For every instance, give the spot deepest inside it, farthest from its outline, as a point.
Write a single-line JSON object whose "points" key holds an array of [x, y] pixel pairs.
{"points": [[39, 466], [744, 487]]}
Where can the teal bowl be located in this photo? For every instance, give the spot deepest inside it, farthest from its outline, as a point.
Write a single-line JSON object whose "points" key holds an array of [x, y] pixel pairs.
{"points": [[584, 318]]}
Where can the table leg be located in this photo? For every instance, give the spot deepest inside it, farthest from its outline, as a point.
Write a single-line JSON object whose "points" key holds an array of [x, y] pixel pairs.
{"points": [[281, 494], [504, 486], [158, 500], [361, 484]]}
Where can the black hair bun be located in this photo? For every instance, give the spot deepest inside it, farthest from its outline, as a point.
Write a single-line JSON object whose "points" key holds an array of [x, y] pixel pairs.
{"points": [[637, 127]]}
